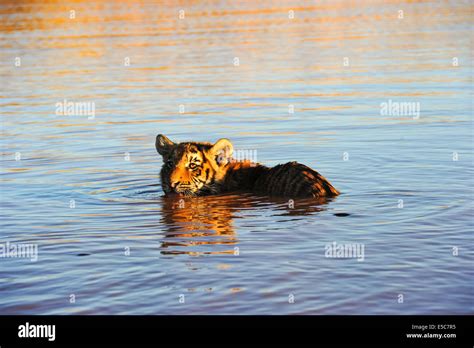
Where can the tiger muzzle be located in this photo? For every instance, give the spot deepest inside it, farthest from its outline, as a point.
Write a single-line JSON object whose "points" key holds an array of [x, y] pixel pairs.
{"points": [[181, 186]]}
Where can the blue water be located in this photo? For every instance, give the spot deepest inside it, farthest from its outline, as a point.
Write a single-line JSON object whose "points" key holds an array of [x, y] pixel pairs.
{"points": [[122, 248]]}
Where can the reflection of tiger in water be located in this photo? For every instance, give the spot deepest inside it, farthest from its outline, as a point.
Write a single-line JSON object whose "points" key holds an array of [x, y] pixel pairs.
{"points": [[198, 169], [202, 225]]}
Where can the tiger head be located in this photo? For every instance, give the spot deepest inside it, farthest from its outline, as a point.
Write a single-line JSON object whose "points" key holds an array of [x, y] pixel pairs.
{"points": [[192, 169]]}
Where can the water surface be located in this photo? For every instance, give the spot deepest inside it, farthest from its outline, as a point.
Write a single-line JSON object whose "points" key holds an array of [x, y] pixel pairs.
{"points": [[309, 88]]}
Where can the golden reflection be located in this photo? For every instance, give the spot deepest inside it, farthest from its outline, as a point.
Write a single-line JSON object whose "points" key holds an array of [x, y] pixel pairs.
{"points": [[205, 225], [194, 223], [163, 49]]}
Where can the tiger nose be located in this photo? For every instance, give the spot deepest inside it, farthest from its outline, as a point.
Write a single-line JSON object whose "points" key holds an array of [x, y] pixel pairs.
{"points": [[174, 184]]}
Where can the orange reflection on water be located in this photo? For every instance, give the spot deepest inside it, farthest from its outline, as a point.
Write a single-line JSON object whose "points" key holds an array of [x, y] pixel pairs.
{"points": [[205, 225]]}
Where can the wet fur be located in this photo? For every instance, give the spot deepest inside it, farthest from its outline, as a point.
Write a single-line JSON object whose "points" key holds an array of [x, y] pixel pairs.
{"points": [[199, 169]]}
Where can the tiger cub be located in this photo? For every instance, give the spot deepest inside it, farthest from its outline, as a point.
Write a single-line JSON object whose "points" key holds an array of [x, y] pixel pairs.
{"points": [[198, 169]]}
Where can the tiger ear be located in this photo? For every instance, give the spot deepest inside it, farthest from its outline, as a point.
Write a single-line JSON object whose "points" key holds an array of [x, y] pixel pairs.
{"points": [[222, 151], [163, 144]]}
